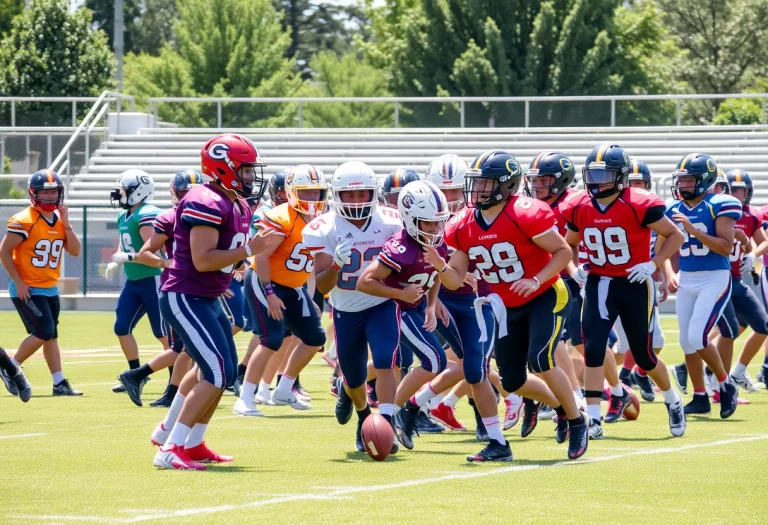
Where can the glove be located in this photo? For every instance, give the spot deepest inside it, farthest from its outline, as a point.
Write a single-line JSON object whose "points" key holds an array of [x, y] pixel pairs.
{"points": [[747, 263], [120, 258], [640, 272], [342, 253], [581, 275], [110, 271]]}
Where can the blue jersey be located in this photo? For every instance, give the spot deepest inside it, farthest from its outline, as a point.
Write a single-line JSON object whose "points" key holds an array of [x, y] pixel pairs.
{"points": [[694, 256]]}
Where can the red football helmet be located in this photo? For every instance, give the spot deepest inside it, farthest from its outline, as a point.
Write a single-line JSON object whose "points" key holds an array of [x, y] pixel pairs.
{"points": [[232, 161]]}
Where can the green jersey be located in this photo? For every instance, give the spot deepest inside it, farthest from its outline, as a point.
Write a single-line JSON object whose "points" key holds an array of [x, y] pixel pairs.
{"points": [[129, 224]]}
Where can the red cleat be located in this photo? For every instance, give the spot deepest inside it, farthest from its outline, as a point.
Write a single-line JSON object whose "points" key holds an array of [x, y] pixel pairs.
{"points": [[445, 415], [202, 454], [176, 458]]}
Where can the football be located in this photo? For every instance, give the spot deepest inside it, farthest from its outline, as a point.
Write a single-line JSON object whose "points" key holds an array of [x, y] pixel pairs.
{"points": [[632, 411], [378, 437]]}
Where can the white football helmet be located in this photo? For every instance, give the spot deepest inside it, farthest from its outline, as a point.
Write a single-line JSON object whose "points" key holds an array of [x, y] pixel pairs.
{"points": [[351, 176], [447, 172], [420, 202], [300, 179], [133, 187]]}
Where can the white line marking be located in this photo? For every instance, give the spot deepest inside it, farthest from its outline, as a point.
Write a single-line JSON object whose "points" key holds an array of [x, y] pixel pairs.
{"points": [[14, 436], [334, 494]]}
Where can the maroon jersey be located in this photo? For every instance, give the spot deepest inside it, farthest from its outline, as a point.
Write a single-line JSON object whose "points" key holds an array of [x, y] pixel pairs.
{"points": [[205, 205], [164, 223], [615, 238], [751, 220], [405, 257], [504, 251]]}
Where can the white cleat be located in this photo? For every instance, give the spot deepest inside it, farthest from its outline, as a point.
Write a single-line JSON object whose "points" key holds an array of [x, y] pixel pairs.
{"points": [[512, 411], [263, 398], [676, 418], [289, 399], [177, 459], [241, 408], [744, 382], [159, 435]]}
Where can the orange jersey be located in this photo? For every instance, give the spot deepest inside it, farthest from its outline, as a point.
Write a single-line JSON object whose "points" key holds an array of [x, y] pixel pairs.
{"points": [[38, 257], [291, 263]]}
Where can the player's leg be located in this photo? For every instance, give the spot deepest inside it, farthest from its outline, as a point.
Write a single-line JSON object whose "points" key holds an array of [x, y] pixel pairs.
{"points": [[13, 376], [34, 321], [128, 312], [762, 376], [728, 325], [186, 384], [179, 367], [304, 321], [236, 305], [352, 347], [750, 313]]}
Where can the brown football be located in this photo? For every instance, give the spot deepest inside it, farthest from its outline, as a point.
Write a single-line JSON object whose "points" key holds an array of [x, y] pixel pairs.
{"points": [[378, 437]]}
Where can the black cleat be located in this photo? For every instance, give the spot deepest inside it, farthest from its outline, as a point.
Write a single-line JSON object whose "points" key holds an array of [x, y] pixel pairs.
{"points": [[9, 384], [625, 376], [698, 405], [359, 436], [64, 389], [493, 451], [729, 399], [406, 424], [133, 387], [481, 434], [166, 399], [616, 407], [530, 416], [578, 440], [344, 406], [680, 373], [762, 375], [22, 386], [424, 425], [561, 430], [646, 386]]}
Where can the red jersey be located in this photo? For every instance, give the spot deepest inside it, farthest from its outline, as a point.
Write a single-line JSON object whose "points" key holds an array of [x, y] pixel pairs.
{"points": [[560, 220], [615, 238], [504, 251], [751, 220]]}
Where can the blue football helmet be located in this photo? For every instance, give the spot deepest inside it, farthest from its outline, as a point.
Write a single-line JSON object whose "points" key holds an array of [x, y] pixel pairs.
{"points": [[393, 183], [182, 182], [739, 178], [607, 164], [639, 170], [558, 167], [502, 169], [702, 167], [45, 180]]}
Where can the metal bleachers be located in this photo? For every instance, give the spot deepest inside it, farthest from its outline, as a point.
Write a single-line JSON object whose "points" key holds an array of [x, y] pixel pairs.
{"points": [[162, 151]]}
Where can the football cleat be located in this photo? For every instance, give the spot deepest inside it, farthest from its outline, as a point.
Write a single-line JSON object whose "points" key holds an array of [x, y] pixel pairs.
{"points": [[236, 388], [762, 375], [159, 435], [263, 398], [729, 399], [512, 412], [64, 389], [133, 387], [202, 454], [406, 424], [176, 458], [395, 442], [676, 418], [530, 416], [744, 382], [22, 385], [329, 360], [578, 440], [280, 399], [446, 415], [625, 376], [493, 451], [118, 389], [344, 406], [424, 425], [359, 444], [547, 413], [9, 384], [334, 390], [561, 430], [165, 400], [241, 408], [616, 406], [680, 375], [481, 434], [595, 429], [698, 405], [646, 386]]}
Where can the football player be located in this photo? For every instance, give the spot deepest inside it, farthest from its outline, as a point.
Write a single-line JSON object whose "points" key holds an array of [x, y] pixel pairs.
{"points": [[516, 247], [31, 253], [344, 243], [211, 238], [704, 286], [13, 376], [133, 190], [393, 183], [276, 293]]}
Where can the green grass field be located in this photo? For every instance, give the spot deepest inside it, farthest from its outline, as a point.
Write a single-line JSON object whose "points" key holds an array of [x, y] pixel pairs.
{"points": [[88, 459]]}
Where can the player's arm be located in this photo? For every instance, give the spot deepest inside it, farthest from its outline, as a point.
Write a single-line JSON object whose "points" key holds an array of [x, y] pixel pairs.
{"points": [[453, 273], [372, 282], [573, 238], [148, 253], [762, 243], [721, 243], [555, 244], [8, 244], [72, 241], [262, 258], [669, 240], [206, 257], [326, 274]]}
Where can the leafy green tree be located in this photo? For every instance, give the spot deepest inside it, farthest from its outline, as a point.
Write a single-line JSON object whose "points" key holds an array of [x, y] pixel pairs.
{"points": [[51, 51], [8, 10], [743, 111], [148, 23], [347, 76], [104, 19]]}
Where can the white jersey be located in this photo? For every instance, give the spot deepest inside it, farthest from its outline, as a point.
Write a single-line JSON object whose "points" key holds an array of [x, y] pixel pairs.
{"points": [[325, 232]]}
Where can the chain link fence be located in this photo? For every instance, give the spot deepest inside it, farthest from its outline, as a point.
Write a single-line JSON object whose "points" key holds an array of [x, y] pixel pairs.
{"points": [[97, 229]]}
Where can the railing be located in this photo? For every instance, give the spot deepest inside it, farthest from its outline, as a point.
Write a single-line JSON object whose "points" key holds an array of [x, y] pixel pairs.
{"points": [[462, 102]]}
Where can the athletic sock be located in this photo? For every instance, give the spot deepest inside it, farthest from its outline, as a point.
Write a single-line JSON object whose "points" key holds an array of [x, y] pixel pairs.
{"points": [[387, 409], [172, 390], [493, 427], [618, 390], [173, 411], [142, 372], [58, 377], [263, 387], [450, 400], [18, 365], [285, 385], [422, 397], [133, 363], [247, 391], [578, 393], [196, 435], [178, 436], [241, 368], [560, 411], [594, 412], [170, 371], [722, 380], [297, 381], [739, 369], [640, 371], [670, 396], [364, 413], [436, 400]]}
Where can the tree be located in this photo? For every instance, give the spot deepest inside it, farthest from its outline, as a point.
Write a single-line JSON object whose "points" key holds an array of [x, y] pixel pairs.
{"points": [[53, 52], [743, 111], [8, 10], [104, 19], [725, 43], [519, 47], [347, 76], [148, 23]]}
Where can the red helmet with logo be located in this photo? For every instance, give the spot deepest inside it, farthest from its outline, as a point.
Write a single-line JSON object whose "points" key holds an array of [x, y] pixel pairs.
{"points": [[233, 161]]}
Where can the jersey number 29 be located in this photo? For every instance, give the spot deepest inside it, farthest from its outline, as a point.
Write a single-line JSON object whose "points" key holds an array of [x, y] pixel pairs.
{"points": [[501, 255]]}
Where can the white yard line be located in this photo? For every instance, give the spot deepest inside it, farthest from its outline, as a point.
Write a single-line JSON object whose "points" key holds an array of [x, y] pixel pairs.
{"points": [[15, 436], [345, 491]]}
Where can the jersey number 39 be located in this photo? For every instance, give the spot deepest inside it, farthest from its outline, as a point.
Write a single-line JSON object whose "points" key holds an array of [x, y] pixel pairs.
{"points": [[48, 253]]}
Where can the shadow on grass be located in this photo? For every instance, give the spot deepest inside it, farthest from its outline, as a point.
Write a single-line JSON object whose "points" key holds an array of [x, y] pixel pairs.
{"points": [[356, 457]]}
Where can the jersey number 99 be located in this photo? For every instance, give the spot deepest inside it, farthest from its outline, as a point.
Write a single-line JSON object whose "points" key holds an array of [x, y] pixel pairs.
{"points": [[608, 246]]}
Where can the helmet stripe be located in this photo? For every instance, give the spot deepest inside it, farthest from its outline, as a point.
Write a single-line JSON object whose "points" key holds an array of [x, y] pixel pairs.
{"points": [[601, 151], [481, 159], [738, 175], [536, 160], [635, 167], [437, 200], [49, 173], [686, 159]]}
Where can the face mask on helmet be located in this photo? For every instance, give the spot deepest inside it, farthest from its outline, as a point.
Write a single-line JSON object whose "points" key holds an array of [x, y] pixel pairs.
{"points": [[639, 183], [46, 199], [538, 185], [455, 199], [249, 180], [684, 185], [354, 204], [119, 198], [311, 201], [486, 192], [429, 233], [603, 181]]}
